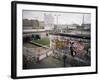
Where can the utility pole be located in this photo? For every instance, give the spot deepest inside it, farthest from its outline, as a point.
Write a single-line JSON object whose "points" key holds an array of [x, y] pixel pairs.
{"points": [[83, 19], [82, 26]]}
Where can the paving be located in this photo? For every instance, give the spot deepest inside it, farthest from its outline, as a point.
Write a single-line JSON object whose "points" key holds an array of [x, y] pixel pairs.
{"points": [[48, 62], [55, 60]]}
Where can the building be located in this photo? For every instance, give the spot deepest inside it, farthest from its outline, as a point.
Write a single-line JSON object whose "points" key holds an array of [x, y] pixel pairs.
{"points": [[32, 24], [86, 26], [49, 21], [41, 25]]}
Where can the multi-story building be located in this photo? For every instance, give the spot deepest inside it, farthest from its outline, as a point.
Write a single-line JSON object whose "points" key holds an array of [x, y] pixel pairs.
{"points": [[32, 24]]}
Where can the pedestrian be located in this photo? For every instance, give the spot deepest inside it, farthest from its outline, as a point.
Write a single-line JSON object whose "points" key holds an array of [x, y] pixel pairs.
{"points": [[64, 60], [72, 48]]}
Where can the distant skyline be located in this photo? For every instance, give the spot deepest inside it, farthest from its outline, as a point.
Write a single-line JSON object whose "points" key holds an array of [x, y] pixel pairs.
{"points": [[59, 17]]}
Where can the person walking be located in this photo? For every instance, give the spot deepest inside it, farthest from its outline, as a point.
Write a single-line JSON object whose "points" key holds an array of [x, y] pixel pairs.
{"points": [[72, 48]]}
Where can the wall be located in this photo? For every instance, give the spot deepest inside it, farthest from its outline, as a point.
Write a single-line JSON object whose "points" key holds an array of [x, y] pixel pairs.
{"points": [[5, 39]]}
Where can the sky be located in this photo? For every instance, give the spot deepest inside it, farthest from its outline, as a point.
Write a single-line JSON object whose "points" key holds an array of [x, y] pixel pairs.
{"points": [[59, 17]]}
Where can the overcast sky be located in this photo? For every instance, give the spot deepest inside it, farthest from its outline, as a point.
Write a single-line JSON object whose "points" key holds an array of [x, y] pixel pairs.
{"points": [[63, 17]]}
